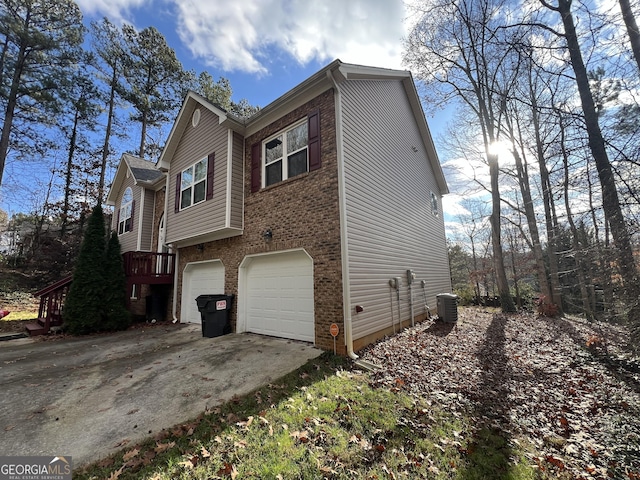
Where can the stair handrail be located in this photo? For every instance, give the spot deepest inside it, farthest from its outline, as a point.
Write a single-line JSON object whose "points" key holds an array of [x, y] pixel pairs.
{"points": [[54, 286]]}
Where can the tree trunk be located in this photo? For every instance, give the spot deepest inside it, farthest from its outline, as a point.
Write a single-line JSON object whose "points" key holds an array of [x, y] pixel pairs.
{"points": [[514, 271], [143, 134], [547, 200], [496, 239], [68, 174], [475, 270], [525, 190], [107, 134], [575, 242], [632, 29], [9, 112], [610, 200], [602, 260]]}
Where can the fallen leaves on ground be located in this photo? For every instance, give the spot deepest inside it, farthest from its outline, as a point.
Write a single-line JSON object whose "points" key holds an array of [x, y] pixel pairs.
{"points": [[564, 385]]}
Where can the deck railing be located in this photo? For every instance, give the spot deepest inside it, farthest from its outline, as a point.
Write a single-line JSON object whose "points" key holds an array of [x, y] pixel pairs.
{"points": [[149, 267]]}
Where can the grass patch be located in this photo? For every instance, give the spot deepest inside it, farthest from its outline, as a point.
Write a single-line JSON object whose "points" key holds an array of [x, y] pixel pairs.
{"points": [[322, 421], [22, 305], [16, 316]]}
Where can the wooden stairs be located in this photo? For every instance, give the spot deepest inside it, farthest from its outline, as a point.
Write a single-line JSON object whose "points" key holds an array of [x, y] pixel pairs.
{"points": [[50, 311], [140, 268]]}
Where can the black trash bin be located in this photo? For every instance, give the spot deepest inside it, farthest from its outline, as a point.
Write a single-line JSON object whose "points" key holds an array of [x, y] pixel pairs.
{"points": [[214, 313], [155, 307]]}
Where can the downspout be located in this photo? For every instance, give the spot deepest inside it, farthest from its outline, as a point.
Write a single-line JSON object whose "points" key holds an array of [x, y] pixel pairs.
{"points": [[174, 307], [346, 290], [177, 259]]}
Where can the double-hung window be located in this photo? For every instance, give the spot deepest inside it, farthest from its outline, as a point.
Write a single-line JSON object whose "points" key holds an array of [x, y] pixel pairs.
{"points": [[286, 154], [193, 184], [126, 212]]}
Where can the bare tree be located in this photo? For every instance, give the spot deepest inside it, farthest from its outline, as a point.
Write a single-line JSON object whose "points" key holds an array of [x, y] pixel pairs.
{"points": [[456, 48], [632, 29], [515, 135], [610, 199]]}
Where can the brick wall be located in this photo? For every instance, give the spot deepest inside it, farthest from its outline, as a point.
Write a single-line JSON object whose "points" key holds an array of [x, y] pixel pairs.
{"points": [[302, 212]]}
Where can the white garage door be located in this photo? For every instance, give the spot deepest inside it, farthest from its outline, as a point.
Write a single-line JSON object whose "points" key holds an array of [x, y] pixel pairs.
{"points": [[203, 278], [279, 296]]}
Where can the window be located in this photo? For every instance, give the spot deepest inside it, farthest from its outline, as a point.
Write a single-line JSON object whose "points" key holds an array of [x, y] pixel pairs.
{"points": [[193, 183], [289, 153], [125, 215], [285, 155], [434, 204]]}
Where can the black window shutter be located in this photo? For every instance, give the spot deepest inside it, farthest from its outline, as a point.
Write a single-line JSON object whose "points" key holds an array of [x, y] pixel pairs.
{"points": [[177, 205], [118, 221], [314, 140], [210, 164], [256, 167]]}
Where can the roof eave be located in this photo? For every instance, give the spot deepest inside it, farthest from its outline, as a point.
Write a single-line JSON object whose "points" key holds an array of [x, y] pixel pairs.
{"points": [[182, 120], [425, 132]]}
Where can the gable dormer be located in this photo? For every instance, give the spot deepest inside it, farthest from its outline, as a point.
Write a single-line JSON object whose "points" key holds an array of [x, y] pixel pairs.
{"points": [[132, 194], [203, 159]]}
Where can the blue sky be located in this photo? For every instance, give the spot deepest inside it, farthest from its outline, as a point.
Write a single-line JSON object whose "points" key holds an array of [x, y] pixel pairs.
{"points": [[264, 47]]}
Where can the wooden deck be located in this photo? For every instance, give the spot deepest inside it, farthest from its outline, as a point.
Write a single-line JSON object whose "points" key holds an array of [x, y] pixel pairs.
{"points": [[141, 268]]}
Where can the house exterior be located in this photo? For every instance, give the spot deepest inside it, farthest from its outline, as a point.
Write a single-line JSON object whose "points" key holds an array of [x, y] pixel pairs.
{"points": [[137, 196], [310, 212]]}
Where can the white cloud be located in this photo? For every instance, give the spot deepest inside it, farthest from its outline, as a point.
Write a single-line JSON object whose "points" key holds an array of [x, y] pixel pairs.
{"points": [[250, 35], [117, 11], [452, 205], [243, 36]]}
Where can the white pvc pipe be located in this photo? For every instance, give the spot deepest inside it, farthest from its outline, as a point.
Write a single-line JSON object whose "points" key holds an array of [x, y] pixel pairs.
{"points": [[411, 303]]}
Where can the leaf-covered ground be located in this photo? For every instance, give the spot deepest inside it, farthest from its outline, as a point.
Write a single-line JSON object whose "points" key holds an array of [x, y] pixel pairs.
{"points": [[561, 386]]}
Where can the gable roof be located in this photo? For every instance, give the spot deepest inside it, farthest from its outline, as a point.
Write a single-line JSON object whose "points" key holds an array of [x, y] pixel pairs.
{"points": [[190, 103], [144, 173], [346, 72], [324, 79], [142, 170]]}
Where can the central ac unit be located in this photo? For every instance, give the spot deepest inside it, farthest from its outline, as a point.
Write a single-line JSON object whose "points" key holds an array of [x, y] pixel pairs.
{"points": [[447, 307]]}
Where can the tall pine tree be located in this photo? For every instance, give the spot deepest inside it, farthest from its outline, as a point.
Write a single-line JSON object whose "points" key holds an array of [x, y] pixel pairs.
{"points": [[41, 41]]}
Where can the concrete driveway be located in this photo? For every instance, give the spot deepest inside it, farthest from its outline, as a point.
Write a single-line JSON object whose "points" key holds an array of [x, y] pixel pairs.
{"points": [[85, 396]]}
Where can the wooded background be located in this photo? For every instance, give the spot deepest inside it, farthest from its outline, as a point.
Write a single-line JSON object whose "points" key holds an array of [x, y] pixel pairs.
{"points": [[543, 145]]}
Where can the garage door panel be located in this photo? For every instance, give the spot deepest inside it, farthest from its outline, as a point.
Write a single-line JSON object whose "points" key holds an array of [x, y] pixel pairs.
{"points": [[205, 278], [280, 296]]}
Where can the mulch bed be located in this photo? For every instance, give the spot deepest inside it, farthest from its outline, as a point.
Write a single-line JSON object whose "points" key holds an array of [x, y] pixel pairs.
{"points": [[563, 385]]}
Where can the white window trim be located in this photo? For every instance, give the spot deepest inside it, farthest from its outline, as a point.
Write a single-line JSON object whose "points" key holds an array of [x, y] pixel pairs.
{"points": [[122, 216], [194, 183], [285, 153]]}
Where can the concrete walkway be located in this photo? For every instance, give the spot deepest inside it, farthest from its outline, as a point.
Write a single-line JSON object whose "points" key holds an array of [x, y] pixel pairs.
{"points": [[83, 397]]}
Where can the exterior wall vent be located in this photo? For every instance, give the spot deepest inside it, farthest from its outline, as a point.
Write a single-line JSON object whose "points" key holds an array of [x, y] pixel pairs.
{"points": [[195, 119], [447, 307]]}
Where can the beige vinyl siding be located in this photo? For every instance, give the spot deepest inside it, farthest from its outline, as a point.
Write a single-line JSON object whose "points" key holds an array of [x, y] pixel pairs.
{"points": [[237, 182], [147, 221], [128, 240], [388, 188], [197, 143]]}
